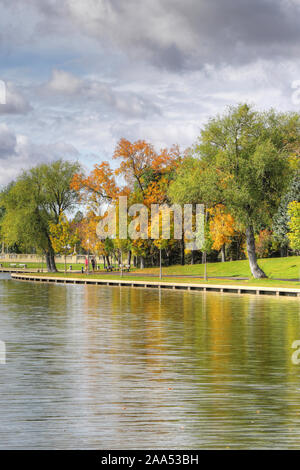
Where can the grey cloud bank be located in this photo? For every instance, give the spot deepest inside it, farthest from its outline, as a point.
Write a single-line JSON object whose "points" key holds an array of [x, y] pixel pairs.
{"points": [[171, 32], [88, 72]]}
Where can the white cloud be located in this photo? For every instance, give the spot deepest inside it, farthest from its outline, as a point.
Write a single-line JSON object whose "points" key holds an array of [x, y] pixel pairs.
{"points": [[15, 103], [64, 82], [18, 153], [99, 93]]}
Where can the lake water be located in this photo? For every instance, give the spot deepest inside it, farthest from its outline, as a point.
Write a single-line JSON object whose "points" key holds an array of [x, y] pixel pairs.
{"points": [[95, 367]]}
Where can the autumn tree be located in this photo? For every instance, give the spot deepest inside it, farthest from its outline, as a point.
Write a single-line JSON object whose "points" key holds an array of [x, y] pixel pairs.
{"points": [[97, 188], [140, 249], [164, 239], [88, 233], [63, 238], [140, 164], [222, 228], [135, 159], [264, 243], [294, 225], [146, 173]]}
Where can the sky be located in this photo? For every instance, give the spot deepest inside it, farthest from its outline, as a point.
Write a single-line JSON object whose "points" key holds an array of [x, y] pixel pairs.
{"points": [[81, 74]]}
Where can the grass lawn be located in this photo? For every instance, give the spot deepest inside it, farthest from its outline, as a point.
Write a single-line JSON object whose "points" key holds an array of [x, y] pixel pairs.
{"points": [[283, 268]]}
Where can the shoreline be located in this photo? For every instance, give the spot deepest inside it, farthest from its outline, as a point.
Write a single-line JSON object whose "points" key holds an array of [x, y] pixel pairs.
{"points": [[220, 288]]}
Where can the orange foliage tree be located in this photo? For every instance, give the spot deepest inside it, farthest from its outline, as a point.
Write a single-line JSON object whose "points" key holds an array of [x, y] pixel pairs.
{"points": [[222, 228], [98, 187], [146, 173], [137, 158]]}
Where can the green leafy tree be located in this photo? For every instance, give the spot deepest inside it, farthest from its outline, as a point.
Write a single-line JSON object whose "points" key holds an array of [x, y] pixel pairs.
{"points": [[34, 201], [2, 212], [109, 249], [245, 164]]}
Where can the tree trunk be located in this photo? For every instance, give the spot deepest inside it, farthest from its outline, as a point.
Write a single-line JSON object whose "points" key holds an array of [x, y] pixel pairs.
{"points": [[50, 258], [129, 258], [223, 253], [283, 251], [256, 271], [48, 262], [160, 266], [205, 270], [142, 262], [167, 257], [108, 261], [182, 252], [52, 262]]}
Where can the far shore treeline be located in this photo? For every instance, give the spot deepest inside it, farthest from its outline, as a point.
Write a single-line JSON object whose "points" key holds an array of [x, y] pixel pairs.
{"points": [[244, 169]]}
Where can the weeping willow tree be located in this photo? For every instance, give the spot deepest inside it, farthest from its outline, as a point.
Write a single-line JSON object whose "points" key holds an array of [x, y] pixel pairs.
{"points": [[34, 201]]}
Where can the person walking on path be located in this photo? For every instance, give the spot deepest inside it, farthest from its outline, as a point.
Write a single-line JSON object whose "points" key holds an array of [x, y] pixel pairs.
{"points": [[86, 264], [93, 264]]}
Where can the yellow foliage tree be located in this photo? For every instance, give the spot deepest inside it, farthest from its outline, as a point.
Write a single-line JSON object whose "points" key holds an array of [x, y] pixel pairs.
{"points": [[294, 224], [222, 227], [90, 240], [63, 238]]}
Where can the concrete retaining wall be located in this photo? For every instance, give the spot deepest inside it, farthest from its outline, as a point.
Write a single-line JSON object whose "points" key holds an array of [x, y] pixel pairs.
{"points": [[277, 291]]}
